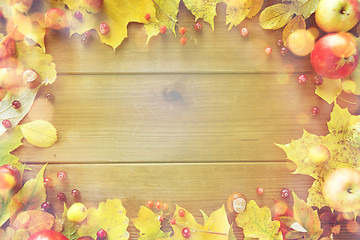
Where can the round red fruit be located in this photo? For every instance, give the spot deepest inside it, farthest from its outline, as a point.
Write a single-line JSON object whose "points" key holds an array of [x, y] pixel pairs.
{"points": [[16, 104], [302, 79], [182, 30], [9, 177], [147, 16], [165, 206], [172, 221], [61, 175], [55, 18], [268, 50], [318, 80], [48, 182], [183, 40], [61, 197], [284, 51], [279, 43], [48, 235], [244, 32], [186, 233], [6, 123], [102, 234], [181, 212], [260, 191], [46, 206], [150, 204], [78, 15], [158, 204], [104, 28], [198, 26], [162, 29], [75, 193], [285, 193], [161, 218], [315, 111]]}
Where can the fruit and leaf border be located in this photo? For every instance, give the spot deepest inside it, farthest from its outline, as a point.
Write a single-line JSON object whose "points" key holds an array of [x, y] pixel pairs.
{"points": [[25, 67]]}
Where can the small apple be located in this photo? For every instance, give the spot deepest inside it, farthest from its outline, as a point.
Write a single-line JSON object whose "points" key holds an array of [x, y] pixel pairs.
{"points": [[319, 154], [93, 6], [337, 15], [342, 190], [55, 18], [335, 55], [9, 177]]}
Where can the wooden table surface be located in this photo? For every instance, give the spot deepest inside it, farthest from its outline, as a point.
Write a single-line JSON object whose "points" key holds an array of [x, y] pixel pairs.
{"points": [[182, 124]]}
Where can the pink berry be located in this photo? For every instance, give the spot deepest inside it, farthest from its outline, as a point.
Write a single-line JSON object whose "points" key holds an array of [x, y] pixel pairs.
{"points": [[260, 191], [61, 197], [186, 233], [181, 212], [172, 221], [315, 111], [163, 29], [279, 43], [183, 40], [318, 80], [268, 50], [302, 79], [285, 193], [198, 26], [244, 32], [284, 51], [61, 175], [16, 104], [78, 15], [147, 16], [104, 28], [87, 34], [49, 97], [48, 182], [101, 234], [46, 206], [6, 123], [75, 193]]}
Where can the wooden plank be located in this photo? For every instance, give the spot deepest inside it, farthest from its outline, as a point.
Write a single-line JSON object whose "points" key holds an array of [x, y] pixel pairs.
{"points": [[192, 186], [216, 52], [175, 118]]}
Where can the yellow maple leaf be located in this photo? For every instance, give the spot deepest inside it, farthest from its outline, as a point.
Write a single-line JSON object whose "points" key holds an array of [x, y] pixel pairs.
{"points": [[275, 16], [343, 142], [329, 90], [205, 9], [110, 216], [39, 133], [236, 11], [256, 223]]}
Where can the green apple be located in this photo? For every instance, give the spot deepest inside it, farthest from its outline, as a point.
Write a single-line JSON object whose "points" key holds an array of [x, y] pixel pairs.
{"points": [[342, 190], [337, 15], [319, 154]]}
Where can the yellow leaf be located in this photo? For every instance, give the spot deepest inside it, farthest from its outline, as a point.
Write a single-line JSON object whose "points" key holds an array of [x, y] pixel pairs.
{"points": [[236, 11], [296, 23], [329, 90], [205, 9], [355, 76], [275, 16], [256, 223], [255, 8], [39, 133], [110, 216], [305, 8], [164, 9]]}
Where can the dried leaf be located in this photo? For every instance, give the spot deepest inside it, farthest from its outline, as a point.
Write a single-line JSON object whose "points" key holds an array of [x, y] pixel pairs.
{"points": [[295, 235], [255, 8], [329, 90], [256, 222], [58, 224], [110, 216], [236, 11], [29, 197], [34, 221], [296, 23], [39, 133], [275, 16], [13, 234]]}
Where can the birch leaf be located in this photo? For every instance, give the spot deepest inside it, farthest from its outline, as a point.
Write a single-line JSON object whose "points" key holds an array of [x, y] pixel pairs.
{"points": [[39, 133], [275, 16]]}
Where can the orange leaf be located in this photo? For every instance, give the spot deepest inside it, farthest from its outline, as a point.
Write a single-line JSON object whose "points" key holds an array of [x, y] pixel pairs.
{"points": [[296, 23], [34, 221], [7, 46]]}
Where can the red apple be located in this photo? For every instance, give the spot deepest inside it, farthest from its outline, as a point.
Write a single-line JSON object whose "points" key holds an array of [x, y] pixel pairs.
{"points": [[55, 18], [342, 190], [9, 177], [335, 55], [92, 6], [48, 235]]}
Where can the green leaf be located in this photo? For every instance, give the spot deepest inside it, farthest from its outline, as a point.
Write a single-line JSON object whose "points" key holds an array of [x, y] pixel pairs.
{"points": [[275, 16], [206, 218], [69, 228], [10, 141]]}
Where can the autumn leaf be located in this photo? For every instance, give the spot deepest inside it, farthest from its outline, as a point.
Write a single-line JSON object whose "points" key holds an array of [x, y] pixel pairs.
{"points": [[204, 9], [304, 8], [39, 133], [343, 143], [69, 228], [236, 11], [355, 76], [34, 221], [10, 141], [29, 197], [255, 8], [329, 89], [256, 222], [275, 16], [296, 23], [110, 216], [15, 234], [149, 225]]}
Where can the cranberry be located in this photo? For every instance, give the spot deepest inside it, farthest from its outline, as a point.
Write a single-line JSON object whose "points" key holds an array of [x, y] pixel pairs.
{"points": [[46, 206], [16, 104]]}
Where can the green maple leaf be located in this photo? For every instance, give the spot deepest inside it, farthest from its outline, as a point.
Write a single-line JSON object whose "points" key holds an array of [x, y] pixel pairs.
{"points": [[343, 142]]}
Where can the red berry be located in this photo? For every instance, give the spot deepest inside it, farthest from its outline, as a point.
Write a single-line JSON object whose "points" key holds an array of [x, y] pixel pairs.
{"points": [[181, 212], [6, 123], [198, 26], [49, 97], [104, 28], [147, 16], [163, 29], [284, 51], [16, 104], [186, 233], [260, 191], [87, 34], [318, 80], [279, 43], [75, 193], [78, 15], [285, 193], [182, 30], [165, 206], [160, 218], [158, 204], [268, 50], [61, 175], [315, 111], [173, 221], [61, 197], [150, 204], [302, 79], [46, 206], [183, 40], [244, 32], [48, 182], [84, 40], [102, 234]]}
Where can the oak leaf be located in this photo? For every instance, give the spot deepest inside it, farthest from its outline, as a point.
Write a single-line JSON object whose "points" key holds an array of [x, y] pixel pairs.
{"points": [[236, 11], [256, 223], [343, 142], [34, 221], [110, 216], [204, 9], [39, 133]]}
